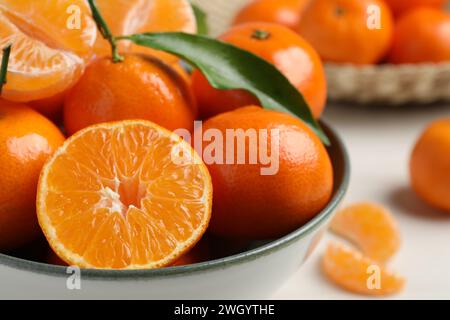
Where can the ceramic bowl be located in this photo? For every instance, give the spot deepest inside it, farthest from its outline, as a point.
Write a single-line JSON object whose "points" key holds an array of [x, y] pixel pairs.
{"points": [[254, 274]]}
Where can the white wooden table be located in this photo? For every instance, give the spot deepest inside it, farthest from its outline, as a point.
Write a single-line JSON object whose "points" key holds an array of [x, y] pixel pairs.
{"points": [[380, 140]]}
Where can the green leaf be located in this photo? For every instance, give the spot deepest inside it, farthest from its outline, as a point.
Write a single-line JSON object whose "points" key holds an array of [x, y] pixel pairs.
{"points": [[228, 67], [202, 20]]}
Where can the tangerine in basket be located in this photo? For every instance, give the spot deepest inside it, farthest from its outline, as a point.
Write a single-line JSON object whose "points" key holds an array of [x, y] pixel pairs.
{"points": [[430, 165], [370, 227], [27, 139], [400, 7], [353, 271], [271, 174], [284, 12], [422, 35], [292, 55], [348, 31], [140, 87], [137, 16], [52, 40], [124, 195]]}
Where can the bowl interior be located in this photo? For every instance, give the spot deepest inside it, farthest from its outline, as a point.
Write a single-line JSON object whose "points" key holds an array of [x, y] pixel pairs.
{"points": [[341, 166]]}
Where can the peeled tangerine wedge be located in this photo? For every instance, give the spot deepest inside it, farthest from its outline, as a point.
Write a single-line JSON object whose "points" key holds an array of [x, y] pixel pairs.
{"points": [[371, 227], [125, 17], [51, 40], [353, 271], [124, 195]]}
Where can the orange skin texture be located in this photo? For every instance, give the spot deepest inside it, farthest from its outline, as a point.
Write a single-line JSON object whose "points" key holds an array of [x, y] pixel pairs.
{"points": [[284, 12], [249, 205], [400, 7], [27, 139], [140, 87], [338, 30], [430, 165], [292, 55], [422, 35]]}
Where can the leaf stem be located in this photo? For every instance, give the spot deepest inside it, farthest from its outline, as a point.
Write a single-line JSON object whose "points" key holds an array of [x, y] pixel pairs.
{"points": [[4, 67], [105, 31]]}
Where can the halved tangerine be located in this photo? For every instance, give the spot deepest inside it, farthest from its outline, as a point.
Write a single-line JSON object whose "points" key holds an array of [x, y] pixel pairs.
{"points": [[115, 197], [353, 271], [51, 41], [125, 17], [370, 227]]}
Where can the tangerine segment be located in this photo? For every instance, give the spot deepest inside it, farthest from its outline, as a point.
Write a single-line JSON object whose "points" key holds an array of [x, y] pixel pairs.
{"points": [[352, 271], [48, 45], [371, 227], [114, 197], [63, 24], [126, 17]]}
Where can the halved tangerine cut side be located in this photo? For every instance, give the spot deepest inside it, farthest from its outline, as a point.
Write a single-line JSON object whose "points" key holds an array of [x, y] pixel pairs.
{"points": [[353, 271], [124, 195], [126, 17], [370, 227], [49, 46]]}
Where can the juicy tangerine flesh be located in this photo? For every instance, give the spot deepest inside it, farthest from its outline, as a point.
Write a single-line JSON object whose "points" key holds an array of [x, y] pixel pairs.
{"points": [[113, 198], [47, 56], [370, 227], [351, 270]]}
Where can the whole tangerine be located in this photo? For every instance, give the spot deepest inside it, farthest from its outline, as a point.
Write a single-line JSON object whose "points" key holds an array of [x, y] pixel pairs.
{"points": [[400, 7], [430, 165], [250, 204], [282, 47], [27, 139], [421, 35], [140, 87], [284, 12], [348, 31]]}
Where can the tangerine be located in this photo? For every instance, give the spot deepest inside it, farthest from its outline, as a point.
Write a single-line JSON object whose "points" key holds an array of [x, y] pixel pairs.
{"points": [[421, 35], [430, 165], [292, 55], [348, 31], [284, 12], [286, 190], [400, 7], [27, 139], [140, 87], [137, 205]]}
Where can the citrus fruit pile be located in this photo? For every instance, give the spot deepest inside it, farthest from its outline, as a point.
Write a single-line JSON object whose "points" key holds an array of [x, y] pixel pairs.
{"points": [[362, 32], [109, 183]]}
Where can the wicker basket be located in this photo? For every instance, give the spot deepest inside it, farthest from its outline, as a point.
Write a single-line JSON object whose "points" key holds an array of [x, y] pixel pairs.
{"points": [[388, 84]]}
